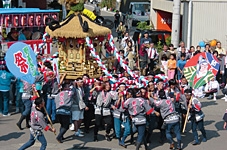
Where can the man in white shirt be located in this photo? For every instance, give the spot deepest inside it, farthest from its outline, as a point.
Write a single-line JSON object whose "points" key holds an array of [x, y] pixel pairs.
{"points": [[182, 45], [219, 49], [152, 55], [125, 39], [212, 88]]}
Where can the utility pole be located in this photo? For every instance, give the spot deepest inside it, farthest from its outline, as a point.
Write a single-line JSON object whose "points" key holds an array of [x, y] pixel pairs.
{"points": [[118, 4], [175, 35]]}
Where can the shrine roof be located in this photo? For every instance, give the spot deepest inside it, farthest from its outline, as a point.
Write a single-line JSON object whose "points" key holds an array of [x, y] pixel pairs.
{"points": [[72, 29]]}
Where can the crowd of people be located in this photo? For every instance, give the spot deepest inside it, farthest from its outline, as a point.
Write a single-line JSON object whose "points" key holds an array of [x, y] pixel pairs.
{"points": [[124, 109], [20, 34], [170, 61]]}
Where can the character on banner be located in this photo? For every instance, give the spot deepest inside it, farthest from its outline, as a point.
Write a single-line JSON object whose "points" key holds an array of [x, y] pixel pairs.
{"points": [[200, 69], [203, 74]]}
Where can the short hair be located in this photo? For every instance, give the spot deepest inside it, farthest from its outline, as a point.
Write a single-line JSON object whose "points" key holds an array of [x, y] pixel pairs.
{"points": [[207, 45], [172, 82], [104, 85], [171, 45], [162, 94], [143, 88], [78, 79], [198, 46], [86, 75], [174, 55], [189, 91], [183, 55], [151, 73], [38, 101], [215, 52], [121, 51], [65, 85], [192, 47], [197, 52], [130, 90], [164, 57], [218, 42], [165, 45], [159, 80]]}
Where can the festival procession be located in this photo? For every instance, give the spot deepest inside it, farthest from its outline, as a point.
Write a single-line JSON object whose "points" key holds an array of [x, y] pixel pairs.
{"points": [[70, 76]]}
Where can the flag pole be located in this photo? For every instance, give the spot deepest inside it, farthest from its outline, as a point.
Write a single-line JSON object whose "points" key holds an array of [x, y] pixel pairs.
{"points": [[186, 118]]}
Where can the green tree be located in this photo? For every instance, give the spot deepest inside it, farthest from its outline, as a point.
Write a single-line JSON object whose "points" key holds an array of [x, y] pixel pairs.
{"points": [[144, 26]]}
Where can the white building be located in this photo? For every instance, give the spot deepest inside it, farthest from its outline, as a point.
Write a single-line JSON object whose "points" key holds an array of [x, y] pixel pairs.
{"points": [[207, 21]]}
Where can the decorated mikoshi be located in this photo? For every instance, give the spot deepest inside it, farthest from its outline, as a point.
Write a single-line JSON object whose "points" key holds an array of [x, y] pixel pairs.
{"points": [[74, 54]]}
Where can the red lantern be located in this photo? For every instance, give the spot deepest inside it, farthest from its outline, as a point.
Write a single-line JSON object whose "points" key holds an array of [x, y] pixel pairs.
{"points": [[80, 41], [101, 38], [61, 40], [95, 44]]}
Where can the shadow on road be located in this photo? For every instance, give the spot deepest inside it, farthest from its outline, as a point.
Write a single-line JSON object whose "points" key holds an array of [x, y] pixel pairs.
{"points": [[82, 146], [210, 134], [208, 103], [5, 121], [14, 135], [219, 125], [208, 122]]}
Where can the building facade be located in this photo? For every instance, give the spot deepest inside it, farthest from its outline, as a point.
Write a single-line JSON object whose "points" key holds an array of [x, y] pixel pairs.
{"points": [[201, 20]]}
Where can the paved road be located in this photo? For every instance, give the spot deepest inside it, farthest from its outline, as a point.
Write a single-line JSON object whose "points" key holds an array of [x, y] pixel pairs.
{"points": [[11, 137]]}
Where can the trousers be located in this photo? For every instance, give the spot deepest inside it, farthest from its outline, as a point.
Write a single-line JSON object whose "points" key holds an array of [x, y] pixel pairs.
{"points": [[51, 108], [171, 73], [40, 138], [200, 125], [88, 116], [117, 127], [4, 102], [98, 123], [176, 129]]}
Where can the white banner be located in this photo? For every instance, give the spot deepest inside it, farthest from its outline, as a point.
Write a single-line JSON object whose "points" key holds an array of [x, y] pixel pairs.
{"points": [[55, 68]]}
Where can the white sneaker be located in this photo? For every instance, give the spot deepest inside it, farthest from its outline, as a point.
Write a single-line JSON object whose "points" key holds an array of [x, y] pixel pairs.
{"points": [[78, 134], [6, 115], [72, 127], [223, 98], [214, 96], [80, 131]]}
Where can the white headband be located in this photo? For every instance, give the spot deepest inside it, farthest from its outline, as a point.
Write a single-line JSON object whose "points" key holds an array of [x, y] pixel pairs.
{"points": [[97, 80], [79, 81]]}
